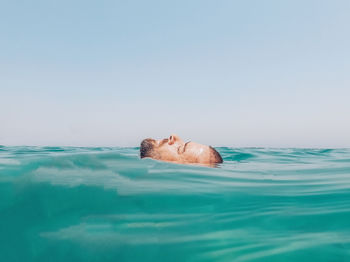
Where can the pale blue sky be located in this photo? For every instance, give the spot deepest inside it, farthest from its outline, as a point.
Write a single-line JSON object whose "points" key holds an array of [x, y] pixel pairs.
{"points": [[226, 73]]}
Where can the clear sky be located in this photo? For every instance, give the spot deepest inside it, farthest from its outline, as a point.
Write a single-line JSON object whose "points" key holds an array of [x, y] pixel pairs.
{"points": [[226, 73]]}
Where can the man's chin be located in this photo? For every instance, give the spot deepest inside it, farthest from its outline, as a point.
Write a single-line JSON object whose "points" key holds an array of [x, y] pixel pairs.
{"points": [[146, 147]]}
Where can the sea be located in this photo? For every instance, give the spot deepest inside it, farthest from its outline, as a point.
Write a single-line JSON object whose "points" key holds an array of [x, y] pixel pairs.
{"points": [[107, 204]]}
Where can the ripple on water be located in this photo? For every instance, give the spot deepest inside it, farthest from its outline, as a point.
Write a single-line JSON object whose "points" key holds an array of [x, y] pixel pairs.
{"points": [[259, 205]]}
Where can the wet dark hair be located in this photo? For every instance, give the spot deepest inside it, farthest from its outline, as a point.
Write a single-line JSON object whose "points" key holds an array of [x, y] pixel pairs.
{"points": [[215, 156], [146, 148]]}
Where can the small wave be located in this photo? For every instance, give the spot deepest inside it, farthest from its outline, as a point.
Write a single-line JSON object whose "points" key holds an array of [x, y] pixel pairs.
{"points": [[259, 205]]}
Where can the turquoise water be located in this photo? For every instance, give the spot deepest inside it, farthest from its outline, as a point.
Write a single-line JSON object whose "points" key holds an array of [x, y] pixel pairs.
{"points": [[105, 204]]}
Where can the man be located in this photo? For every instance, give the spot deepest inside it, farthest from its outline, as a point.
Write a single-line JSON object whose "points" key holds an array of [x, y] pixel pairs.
{"points": [[174, 149]]}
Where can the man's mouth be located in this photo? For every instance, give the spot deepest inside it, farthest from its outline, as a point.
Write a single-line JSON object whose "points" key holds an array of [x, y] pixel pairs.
{"points": [[162, 142]]}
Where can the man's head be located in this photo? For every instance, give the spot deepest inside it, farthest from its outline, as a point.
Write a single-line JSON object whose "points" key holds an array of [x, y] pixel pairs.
{"points": [[174, 149]]}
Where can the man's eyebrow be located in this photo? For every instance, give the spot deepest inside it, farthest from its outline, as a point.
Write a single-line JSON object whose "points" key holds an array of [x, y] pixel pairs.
{"points": [[186, 145]]}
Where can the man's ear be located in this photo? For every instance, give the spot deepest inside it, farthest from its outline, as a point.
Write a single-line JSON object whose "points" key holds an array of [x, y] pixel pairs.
{"points": [[171, 139]]}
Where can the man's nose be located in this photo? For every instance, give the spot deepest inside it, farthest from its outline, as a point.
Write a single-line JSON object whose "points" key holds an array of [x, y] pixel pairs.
{"points": [[175, 138]]}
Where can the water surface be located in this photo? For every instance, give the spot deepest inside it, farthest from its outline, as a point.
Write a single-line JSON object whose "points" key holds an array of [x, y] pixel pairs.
{"points": [[105, 204]]}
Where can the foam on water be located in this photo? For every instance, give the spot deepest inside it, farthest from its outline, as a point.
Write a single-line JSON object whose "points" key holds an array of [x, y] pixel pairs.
{"points": [[105, 204]]}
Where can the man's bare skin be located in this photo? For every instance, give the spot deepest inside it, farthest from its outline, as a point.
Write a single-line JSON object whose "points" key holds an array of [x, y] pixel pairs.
{"points": [[174, 149]]}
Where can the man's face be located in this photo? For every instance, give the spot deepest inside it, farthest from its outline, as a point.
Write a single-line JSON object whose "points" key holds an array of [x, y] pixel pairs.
{"points": [[174, 149]]}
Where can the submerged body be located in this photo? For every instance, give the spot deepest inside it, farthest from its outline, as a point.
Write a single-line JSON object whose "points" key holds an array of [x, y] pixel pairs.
{"points": [[174, 149]]}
